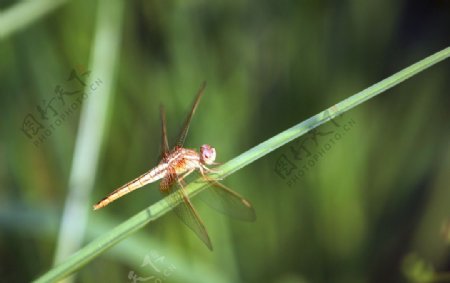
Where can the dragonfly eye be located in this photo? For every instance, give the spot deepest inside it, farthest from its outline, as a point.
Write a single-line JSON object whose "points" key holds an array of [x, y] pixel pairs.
{"points": [[208, 154]]}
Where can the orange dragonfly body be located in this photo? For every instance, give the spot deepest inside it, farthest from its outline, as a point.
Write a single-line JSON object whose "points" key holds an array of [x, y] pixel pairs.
{"points": [[174, 167]]}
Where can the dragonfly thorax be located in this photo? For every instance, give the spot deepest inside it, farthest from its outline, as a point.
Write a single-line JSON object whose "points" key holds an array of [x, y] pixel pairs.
{"points": [[207, 154]]}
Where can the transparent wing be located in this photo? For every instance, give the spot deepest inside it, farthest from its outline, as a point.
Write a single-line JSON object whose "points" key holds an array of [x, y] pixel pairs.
{"points": [[171, 187], [227, 201], [184, 130], [164, 142]]}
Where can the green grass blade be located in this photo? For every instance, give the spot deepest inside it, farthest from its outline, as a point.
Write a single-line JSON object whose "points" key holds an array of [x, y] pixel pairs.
{"points": [[302, 128], [104, 63], [25, 13], [155, 211]]}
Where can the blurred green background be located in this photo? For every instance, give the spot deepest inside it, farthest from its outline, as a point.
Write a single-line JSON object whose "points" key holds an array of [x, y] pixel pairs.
{"points": [[365, 198]]}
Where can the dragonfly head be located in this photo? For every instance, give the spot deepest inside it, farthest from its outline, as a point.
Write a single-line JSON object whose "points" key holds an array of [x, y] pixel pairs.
{"points": [[207, 154]]}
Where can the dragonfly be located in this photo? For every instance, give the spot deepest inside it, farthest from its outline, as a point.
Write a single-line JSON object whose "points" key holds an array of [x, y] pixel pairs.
{"points": [[178, 163]]}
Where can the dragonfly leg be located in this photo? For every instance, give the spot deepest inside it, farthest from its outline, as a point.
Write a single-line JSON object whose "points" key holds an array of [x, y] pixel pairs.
{"points": [[186, 174], [209, 170], [202, 170]]}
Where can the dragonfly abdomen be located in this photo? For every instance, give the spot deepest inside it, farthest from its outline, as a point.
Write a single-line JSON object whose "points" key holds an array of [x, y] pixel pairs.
{"points": [[149, 177]]}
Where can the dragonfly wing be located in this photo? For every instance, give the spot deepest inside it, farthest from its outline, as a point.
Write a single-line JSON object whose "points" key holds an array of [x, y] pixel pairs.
{"points": [[227, 201], [164, 142], [184, 130], [171, 187]]}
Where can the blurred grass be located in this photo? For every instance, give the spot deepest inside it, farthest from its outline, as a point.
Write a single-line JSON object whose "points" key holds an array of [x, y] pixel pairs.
{"points": [[377, 195], [103, 66], [24, 13]]}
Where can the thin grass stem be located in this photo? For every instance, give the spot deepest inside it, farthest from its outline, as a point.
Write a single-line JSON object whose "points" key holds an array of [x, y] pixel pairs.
{"points": [[155, 211]]}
